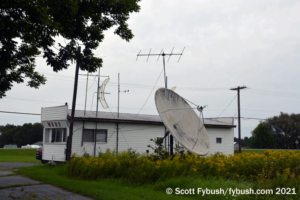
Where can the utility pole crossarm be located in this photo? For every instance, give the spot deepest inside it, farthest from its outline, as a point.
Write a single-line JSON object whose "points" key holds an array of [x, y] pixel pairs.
{"points": [[239, 88]]}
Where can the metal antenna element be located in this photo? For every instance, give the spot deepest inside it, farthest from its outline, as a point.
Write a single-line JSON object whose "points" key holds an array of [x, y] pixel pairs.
{"points": [[160, 54], [171, 54], [101, 97], [149, 55], [163, 54]]}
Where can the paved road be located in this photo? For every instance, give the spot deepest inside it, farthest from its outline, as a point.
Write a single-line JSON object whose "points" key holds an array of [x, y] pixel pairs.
{"points": [[13, 186]]}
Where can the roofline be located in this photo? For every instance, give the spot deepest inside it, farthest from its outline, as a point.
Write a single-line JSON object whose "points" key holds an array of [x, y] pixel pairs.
{"points": [[142, 122]]}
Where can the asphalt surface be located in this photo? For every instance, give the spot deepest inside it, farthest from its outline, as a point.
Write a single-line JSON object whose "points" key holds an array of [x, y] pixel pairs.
{"points": [[13, 186], [6, 165]]}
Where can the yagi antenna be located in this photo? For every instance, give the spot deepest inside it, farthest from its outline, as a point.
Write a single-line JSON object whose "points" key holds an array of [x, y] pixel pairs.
{"points": [[161, 54], [171, 54], [101, 93]]}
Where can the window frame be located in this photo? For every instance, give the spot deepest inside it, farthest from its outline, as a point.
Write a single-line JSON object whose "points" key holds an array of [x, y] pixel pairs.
{"points": [[218, 142], [98, 132], [49, 135]]}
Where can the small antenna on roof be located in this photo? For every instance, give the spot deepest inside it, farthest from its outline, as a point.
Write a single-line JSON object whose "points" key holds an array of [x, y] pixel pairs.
{"points": [[101, 97]]}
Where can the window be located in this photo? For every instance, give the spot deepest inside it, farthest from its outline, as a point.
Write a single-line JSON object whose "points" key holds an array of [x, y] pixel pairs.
{"points": [[88, 135], [56, 135], [219, 140]]}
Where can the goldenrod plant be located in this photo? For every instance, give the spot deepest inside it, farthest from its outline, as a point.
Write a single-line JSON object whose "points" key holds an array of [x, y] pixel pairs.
{"points": [[148, 169]]}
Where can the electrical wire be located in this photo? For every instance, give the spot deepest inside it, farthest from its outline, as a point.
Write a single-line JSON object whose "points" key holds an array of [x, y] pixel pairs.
{"points": [[227, 106], [147, 97], [124, 138], [19, 113]]}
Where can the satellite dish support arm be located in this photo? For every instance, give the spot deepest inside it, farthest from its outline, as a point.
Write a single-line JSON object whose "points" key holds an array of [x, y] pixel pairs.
{"points": [[166, 134]]}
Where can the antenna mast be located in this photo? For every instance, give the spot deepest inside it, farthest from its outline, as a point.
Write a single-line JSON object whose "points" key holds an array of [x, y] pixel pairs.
{"points": [[163, 54], [118, 111]]}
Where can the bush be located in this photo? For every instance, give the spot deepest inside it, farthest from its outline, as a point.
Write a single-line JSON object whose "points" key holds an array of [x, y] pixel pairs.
{"points": [[142, 169]]}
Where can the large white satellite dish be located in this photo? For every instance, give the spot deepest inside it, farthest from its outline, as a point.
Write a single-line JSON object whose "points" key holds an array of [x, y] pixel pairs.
{"points": [[101, 93], [182, 121]]}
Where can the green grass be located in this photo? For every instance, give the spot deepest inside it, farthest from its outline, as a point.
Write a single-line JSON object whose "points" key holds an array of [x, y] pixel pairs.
{"points": [[115, 189], [18, 155]]}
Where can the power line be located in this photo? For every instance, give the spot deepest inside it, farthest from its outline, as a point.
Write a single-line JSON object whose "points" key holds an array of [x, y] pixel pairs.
{"points": [[212, 110], [227, 106], [19, 113], [275, 92]]}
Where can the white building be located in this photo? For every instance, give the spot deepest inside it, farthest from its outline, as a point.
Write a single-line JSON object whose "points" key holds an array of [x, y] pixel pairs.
{"points": [[135, 131]]}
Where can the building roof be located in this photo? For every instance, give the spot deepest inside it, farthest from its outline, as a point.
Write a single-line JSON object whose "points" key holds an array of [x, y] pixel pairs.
{"points": [[134, 118]]}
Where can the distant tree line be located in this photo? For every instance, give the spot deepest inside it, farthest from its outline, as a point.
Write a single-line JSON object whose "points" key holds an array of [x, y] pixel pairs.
{"points": [[280, 132], [244, 142], [21, 135]]}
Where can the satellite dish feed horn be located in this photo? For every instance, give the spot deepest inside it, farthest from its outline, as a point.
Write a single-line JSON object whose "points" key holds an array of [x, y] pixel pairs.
{"points": [[182, 121], [101, 93]]}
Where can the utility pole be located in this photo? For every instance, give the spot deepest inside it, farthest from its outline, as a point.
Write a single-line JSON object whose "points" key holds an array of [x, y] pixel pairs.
{"points": [[162, 53], [69, 141], [117, 149], [239, 113]]}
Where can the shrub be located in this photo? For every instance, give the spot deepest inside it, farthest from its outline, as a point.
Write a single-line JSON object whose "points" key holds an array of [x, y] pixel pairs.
{"points": [[271, 165]]}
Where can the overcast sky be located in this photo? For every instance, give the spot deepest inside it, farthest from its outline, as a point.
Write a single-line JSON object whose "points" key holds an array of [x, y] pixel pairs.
{"points": [[227, 44]]}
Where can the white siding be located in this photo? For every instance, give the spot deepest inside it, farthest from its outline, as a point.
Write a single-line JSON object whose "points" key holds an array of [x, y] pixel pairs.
{"points": [[227, 134], [54, 113], [55, 152], [136, 136], [88, 147]]}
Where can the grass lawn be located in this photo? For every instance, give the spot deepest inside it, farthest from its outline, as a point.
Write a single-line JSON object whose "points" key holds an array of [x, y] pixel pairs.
{"points": [[18, 155], [115, 189]]}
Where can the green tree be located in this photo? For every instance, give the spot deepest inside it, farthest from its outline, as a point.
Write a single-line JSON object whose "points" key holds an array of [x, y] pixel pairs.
{"points": [[29, 28], [29, 134], [262, 138], [7, 134], [159, 151], [21, 135], [285, 129]]}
